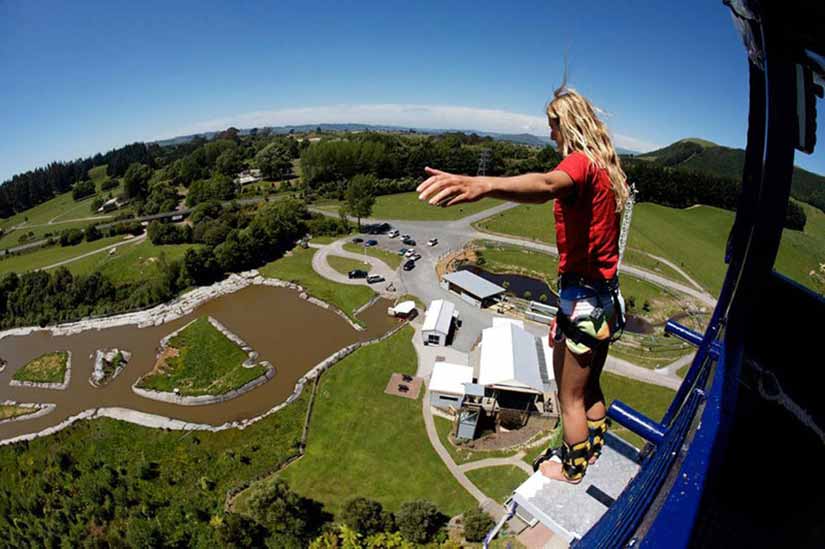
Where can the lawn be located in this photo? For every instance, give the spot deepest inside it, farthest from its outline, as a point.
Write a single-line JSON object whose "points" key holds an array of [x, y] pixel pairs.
{"points": [[44, 257], [180, 477], [406, 206], [324, 239], [363, 442], [297, 268], [531, 221], [390, 258], [47, 368], [802, 254], [9, 411], [504, 258], [497, 482], [131, 263], [649, 351], [344, 264], [651, 400], [208, 363]]}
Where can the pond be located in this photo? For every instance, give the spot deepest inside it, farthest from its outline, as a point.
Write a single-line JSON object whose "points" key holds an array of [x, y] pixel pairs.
{"points": [[293, 334]]}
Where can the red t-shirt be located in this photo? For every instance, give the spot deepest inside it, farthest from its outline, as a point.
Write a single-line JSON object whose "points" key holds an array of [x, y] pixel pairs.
{"points": [[587, 227]]}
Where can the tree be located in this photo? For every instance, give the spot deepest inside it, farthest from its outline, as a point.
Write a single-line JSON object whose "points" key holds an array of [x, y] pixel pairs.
{"points": [[239, 531], [229, 162], [283, 511], [273, 161], [365, 516], [476, 524], [419, 520], [82, 189], [92, 233], [136, 180], [359, 196]]}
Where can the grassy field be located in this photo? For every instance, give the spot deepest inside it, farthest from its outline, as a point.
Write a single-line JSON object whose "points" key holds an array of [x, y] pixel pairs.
{"points": [[344, 264], [406, 206], [503, 258], [802, 254], [297, 268], [9, 411], [131, 263], [533, 452], [497, 482], [363, 442], [325, 239], [651, 400], [390, 258], [208, 363], [531, 221], [47, 368], [51, 255]]}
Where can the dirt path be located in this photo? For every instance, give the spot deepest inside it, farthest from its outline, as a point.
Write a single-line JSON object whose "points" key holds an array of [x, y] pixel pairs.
{"points": [[131, 241]]}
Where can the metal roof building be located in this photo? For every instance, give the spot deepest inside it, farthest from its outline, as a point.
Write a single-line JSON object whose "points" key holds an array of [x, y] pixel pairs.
{"points": [[472, 288], [437, 322]]}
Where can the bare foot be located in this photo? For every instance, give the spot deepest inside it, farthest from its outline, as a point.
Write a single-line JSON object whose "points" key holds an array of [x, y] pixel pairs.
{"points": [[552, 469]]}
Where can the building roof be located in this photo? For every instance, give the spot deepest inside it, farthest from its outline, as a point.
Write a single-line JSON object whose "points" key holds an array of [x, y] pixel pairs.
{"points": [[513, 358], [404, 308], [439, 315], [450, 378], [504, 321], [474, 284]]}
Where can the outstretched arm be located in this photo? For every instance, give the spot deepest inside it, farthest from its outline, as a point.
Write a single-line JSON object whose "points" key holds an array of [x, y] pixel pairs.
{"points": [[447, 189]]}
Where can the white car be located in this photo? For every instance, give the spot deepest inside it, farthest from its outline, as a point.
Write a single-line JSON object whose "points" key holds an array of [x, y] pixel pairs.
{"points": [[410, 253], [393, 233], [432, 242]]}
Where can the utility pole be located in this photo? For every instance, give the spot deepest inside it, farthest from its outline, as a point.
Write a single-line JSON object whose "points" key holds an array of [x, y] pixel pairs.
{"points": [[483, 162]]}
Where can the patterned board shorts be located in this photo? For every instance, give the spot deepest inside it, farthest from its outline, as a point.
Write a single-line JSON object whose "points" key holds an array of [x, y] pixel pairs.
{"points": [[578, 303]]}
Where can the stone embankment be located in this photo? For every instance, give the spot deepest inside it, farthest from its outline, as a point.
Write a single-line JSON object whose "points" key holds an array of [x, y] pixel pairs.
{"points": [[178, 307], [67, 377], [41, 410], [161, 422]]}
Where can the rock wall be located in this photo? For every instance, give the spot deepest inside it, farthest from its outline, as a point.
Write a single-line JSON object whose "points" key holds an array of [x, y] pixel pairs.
{"points": [[42, 410], [201, 400]]}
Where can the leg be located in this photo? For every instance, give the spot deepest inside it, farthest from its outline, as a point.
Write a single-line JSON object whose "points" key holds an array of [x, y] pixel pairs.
{"points": [[595, 405], [575, 372]]}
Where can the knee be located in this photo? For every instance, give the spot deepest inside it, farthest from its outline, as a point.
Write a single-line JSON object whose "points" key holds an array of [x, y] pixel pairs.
{"points": [[571, 401]]}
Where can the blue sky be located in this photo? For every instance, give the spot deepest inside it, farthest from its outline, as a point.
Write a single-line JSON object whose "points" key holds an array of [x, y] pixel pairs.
{"points": [[84, 77]]}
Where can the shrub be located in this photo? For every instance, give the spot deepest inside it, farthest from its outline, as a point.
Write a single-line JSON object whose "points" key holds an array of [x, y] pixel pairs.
{"points": [[476, 524], [70, 237], [419, 520]]}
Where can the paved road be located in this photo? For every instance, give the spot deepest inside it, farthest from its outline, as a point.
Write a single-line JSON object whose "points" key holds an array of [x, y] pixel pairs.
{"points": [[321, 266]]}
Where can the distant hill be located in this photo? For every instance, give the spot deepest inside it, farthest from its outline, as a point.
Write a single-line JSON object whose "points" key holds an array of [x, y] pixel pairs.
{"points": [[519, 138], [699, 155]]}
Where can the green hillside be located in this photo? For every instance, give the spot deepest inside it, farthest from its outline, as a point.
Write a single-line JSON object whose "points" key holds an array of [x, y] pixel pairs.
{"points": [[702, 156]]}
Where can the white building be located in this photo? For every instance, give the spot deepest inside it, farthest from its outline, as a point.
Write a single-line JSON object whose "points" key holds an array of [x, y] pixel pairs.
{"points": [[472, 288], [438, 322], [516, 367], [447, 384], [248, 176]]}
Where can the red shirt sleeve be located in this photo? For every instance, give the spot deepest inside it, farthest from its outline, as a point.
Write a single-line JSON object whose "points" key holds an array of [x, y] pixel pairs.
{"points": [[575, 165]]}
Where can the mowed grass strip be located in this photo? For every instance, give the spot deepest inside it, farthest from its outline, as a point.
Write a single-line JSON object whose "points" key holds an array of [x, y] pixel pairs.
{"points": [[208, 363], [46, 257], [363, 442], [393, 259], [47, 368], [297, 268], [10, 411], [530, 221], [131, 262], [344, 264], [497, 482], [406, 206]]}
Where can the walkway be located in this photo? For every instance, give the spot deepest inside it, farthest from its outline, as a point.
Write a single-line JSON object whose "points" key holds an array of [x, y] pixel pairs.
{"points": [[131, 241], [321, 266]]}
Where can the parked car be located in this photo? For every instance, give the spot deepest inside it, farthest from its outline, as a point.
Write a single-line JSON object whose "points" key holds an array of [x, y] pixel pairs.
{"points": [[357, 273], [409, 241], [371, 243], [406, 236], [403, 251], [372, 279], [409, 253], [357, 240], [409, 265], [432, 242], [415, 257], [393, 233]]}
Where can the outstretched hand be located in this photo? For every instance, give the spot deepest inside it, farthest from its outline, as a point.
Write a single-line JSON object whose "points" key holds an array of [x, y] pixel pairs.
{"points": [[447, 189]]}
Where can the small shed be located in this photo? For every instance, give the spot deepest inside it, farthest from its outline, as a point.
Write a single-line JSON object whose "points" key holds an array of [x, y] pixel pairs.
{"points": [[472, 288], [405, 309], [438, 322], [447, 384]]}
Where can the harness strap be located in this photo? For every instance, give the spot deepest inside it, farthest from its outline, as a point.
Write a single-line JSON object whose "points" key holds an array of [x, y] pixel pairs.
{"points": [[575, 459]]}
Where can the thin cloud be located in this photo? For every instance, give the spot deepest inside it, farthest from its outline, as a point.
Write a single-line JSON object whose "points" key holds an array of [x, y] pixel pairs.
{"points": [[404, 115]]}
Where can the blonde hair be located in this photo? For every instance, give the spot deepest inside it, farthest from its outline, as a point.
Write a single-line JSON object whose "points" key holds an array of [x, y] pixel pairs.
{"points": [[582, 131]]}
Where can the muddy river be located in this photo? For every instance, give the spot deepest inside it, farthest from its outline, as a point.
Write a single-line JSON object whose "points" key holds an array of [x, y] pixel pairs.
{"points": [[293, 334]]}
